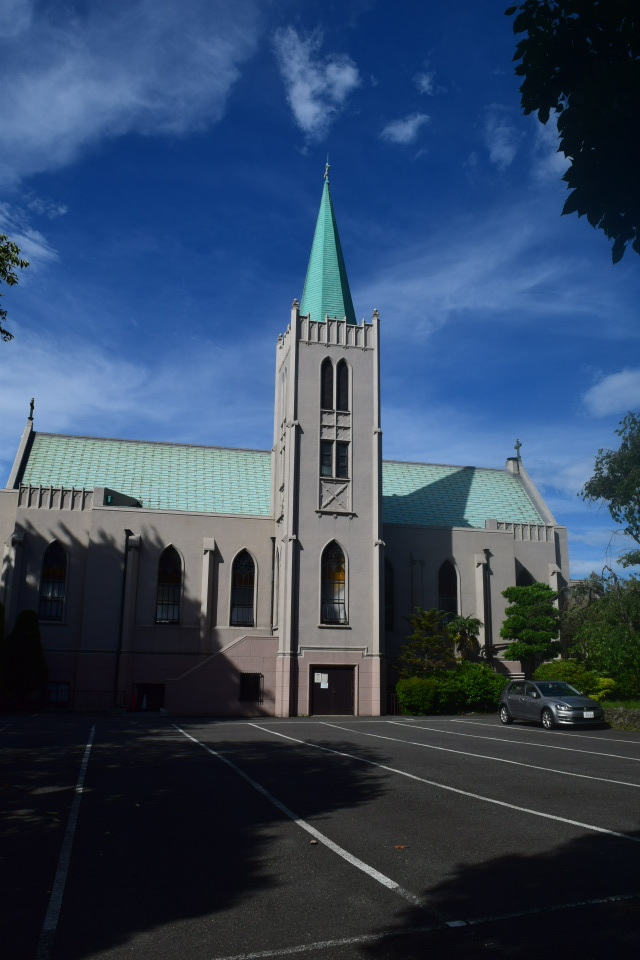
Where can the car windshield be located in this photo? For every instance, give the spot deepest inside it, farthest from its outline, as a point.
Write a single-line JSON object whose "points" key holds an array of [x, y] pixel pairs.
{"points": [[558, 689]]}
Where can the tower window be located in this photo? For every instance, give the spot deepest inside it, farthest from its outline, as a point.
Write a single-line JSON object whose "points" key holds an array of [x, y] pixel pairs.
{"points": [[342, 459], [342, 392], [242, 590], [333, 585], [53, 582], [169, 587], [326, 458], [326, 385]]}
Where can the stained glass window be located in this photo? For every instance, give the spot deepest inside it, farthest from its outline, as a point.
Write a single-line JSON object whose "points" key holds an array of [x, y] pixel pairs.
{"points": [[333, 585], [242, 590], [169, 587], [53, 582]]}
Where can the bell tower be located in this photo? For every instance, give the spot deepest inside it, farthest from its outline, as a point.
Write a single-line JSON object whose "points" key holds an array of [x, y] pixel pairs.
{"points": [[327, 493]]}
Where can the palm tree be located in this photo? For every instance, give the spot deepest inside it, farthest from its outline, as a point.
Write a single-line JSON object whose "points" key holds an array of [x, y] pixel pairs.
{"points": [[464, 633]]}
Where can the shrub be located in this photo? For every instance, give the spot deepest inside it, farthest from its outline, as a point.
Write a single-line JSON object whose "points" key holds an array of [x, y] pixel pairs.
{"points": [[470, 686], [480, 687], [588, 681]]}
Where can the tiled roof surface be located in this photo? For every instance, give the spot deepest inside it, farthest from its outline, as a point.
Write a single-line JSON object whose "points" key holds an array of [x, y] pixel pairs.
{"points": [[164, 476], [168, 476], [430, 495]]}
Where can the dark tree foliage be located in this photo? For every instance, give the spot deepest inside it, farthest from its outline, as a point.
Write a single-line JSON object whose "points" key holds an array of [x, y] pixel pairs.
{"points": [[532, 624], [616, 481], [430, 646], [580, 59], [9, 260], [601, 627], [24, 668]]}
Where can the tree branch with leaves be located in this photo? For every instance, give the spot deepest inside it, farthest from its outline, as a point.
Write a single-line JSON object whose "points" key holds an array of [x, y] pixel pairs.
{"points": [[580, 61], [10, 260]]}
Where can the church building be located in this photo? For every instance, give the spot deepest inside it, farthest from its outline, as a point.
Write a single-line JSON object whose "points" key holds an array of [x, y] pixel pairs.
{"points": [[227, 582]]}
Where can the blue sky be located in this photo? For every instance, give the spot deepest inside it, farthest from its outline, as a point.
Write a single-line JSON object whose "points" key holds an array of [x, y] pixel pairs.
{"points": [[161, 167]]}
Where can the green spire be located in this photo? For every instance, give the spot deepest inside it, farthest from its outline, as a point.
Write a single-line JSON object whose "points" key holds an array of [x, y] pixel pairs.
{"points": [[326, 290]]}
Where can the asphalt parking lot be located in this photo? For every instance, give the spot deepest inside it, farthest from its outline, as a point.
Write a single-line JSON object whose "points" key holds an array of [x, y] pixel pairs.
{"points": [[330, 838]]}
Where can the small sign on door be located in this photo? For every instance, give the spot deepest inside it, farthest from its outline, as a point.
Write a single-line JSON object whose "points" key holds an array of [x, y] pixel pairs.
{"points": [[322, 679]]}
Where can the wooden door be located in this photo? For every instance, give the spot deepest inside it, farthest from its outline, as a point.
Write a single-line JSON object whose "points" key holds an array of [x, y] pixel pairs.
{"points": [[332, 690]]}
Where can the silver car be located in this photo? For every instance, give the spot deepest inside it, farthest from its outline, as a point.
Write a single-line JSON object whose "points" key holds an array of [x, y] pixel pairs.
{"points": [[549, 702]]}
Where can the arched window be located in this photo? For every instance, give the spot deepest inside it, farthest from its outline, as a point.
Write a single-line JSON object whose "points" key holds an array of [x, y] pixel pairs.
{"points": [[342, 392], [242, 590], [169, 586], [333, 585], [388, 596], [448, 588], [326, 384], [523, 577], [53, 582]]}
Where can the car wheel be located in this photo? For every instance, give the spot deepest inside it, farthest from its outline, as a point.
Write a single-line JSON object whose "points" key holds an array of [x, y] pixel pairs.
{"points": [[505, 716], [547, 719]]}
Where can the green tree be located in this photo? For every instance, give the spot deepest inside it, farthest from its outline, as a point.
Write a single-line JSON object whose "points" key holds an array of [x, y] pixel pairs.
{"points": [[25, 667], [616, 482], [9, 260], [580, 59], [601, 627], [429, 647], [531, 624], [464, 633]]}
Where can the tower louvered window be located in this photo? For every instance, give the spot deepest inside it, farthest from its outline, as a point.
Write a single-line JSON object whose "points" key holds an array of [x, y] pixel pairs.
{"points": [[53, 582], [333, 585], [342, 386], [242, 590], [169, 587], [326, 385]]}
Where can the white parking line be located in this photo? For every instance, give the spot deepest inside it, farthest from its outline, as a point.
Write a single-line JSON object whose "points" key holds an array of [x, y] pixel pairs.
{"points": [[545, 746], [445, 786], [393, 934], [52, 915], [482, 756], [354, 861], [533, 729]]}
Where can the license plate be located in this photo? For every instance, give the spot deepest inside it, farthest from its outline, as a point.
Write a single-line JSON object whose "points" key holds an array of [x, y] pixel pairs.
{"points": [[588, 714]]}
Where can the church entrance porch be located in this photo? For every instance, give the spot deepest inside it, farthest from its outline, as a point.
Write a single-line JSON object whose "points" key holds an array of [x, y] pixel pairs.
{"points": [[332, 690]]}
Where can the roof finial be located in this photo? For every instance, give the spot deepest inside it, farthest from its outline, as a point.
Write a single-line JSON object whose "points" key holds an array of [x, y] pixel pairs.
{"points": [[326, 169], [517, 449], [31, 406]]}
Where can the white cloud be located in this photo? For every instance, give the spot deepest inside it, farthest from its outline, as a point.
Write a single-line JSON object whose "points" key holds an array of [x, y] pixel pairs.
{"points": [[45, 207], [406, 130], [501, 137], [317, 89], [82, 387], [548, 164], [615, 393], [34, 247], [150, 66], [424, 83]]}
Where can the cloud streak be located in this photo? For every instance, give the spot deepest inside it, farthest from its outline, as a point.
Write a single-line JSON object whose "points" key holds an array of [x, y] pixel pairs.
{"points": [[147, 66], [615, 393]]}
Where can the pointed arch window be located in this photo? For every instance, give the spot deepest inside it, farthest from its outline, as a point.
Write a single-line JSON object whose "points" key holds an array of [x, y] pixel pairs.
{"points": [[242, 590], [169, 586], [523, 577], [326, 384], [448, 589], [333, 585], [53, 582], [342, 386], [388, 596]]}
